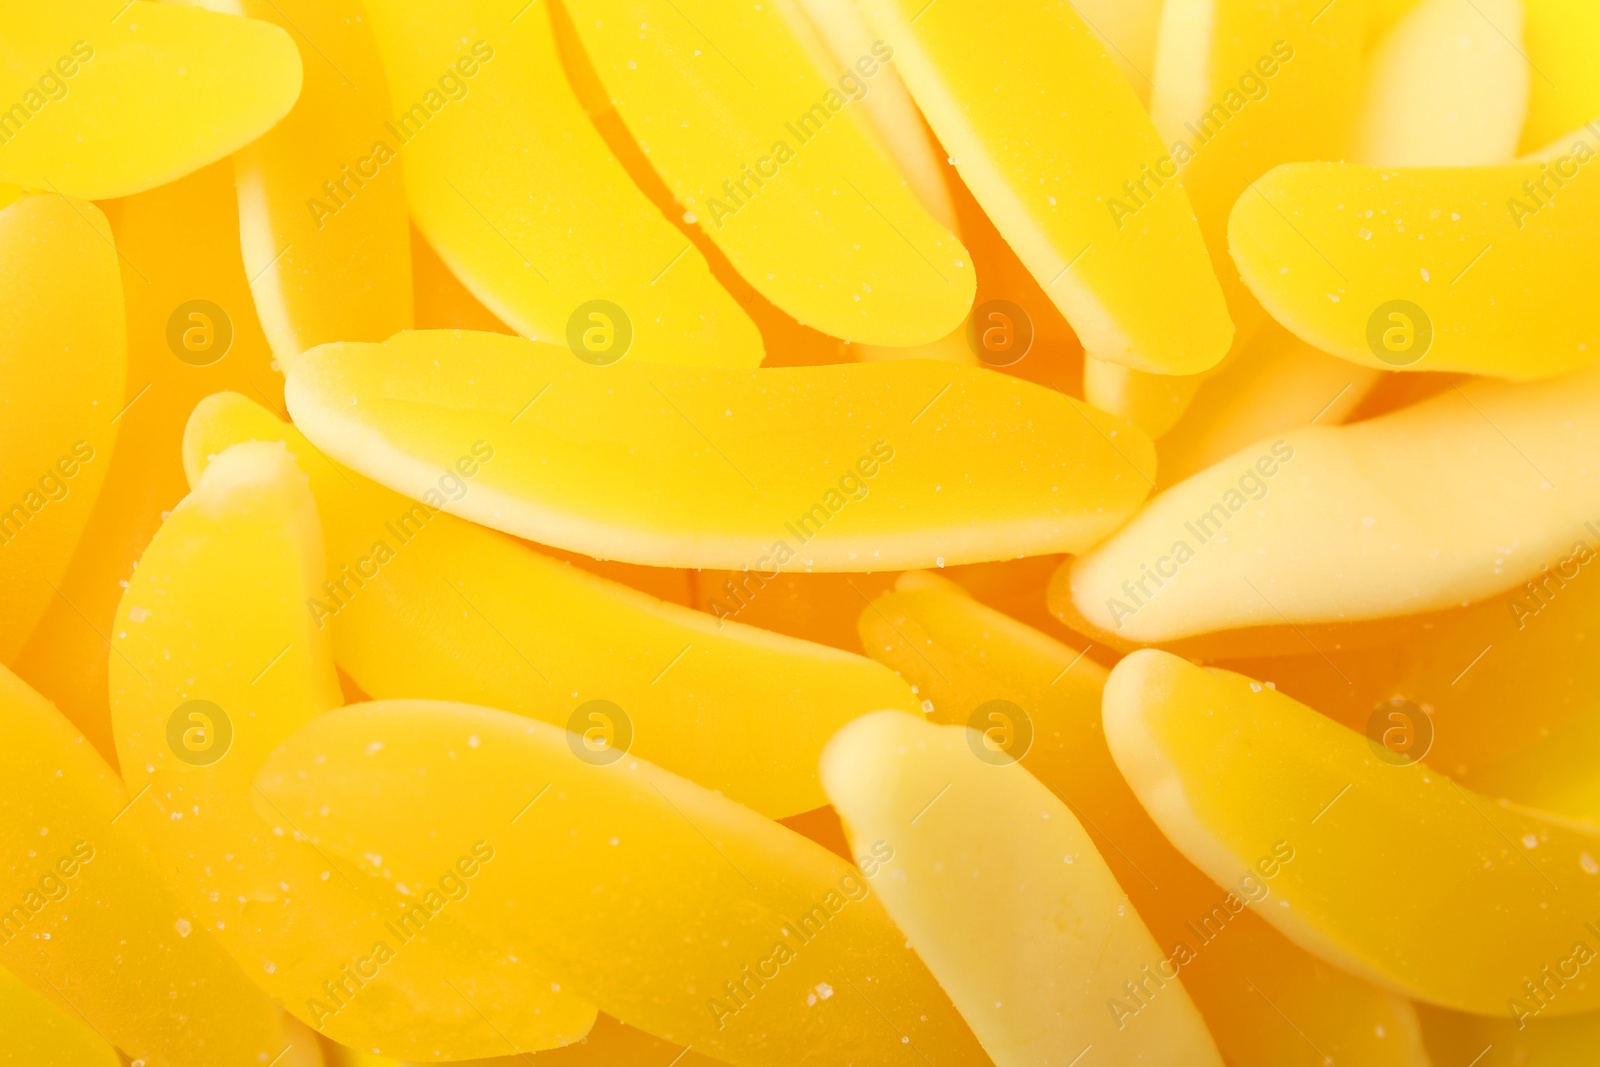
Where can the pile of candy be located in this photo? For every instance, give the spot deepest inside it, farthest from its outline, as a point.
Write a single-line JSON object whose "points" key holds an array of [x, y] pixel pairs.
{"points": [[653, 533]]}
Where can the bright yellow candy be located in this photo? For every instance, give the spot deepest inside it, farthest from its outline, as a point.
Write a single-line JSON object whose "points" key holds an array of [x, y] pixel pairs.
{"points": [[1054, 145], [544, 222], [87, 917], [1152, 402], [891, 115], [424, 604], [1227, 766], [1129, 30], [1503, 1041], [609, 1044], [322, 208], [1476, 269], [1447, 86], [179, 246], [63, 358], [1254, 540], [1242, 86], [770, 160], [962, 831], [1564, 90], [105, 98], [41, 1034], [1279, 383], [737, 936], [861, 467], [213, 635], [964, 656]]}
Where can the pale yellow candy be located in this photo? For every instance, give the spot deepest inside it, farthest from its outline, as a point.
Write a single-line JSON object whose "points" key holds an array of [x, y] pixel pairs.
{"points": [[1447, 86], [544, 220], [1227, 766], [842, 33], [962, 655], [322, 208], [120, 97], [1129, 272], [960, 837], [770, 159], [88, 920], [449, 610], [654, 897], [216, 614], [1382, 16], [1129, 30], [1475, 269], [856, 467], [1342, 524], [1152, 402], [1564, 88], [63, 360], [41, 1034], [1279, 383], [1242, 86]]}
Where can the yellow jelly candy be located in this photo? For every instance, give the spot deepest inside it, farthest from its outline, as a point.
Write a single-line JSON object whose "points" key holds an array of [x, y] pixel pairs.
{"points": [[88, 921], [1253, 540], [1063, 183], [544, 227], [1227, 766], [109, 98], [892, 119], [1475, 269], [322, 207], [1502, 1040], [191, 331], [1279, 383], [422, 603], [1447, 86], [40, 1034], [1039, 700], [63, 359], [775, 167], [1129, 29], [1152, 402], [217, 662], [962, 831], [766, 948], [1564, 89], [1242, 86], [860, 467], [609, 1044]]}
